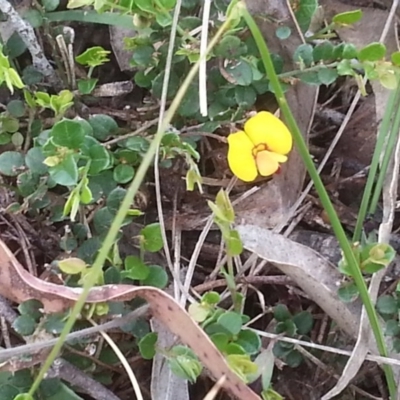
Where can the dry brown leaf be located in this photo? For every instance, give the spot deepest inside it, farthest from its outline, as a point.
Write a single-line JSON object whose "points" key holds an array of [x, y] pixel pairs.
{"points": [[19, 285], [318, 277]]}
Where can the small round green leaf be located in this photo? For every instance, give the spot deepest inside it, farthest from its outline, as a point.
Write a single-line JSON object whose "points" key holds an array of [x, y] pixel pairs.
{"points": [[387, 305], [249, 341], [16, 108], [157, 277], [135, 268], [372, 52], [230, 47], [304, 55], [304, 322], [294, 359], [396, 58], [283, 32], [32, 308], [34, 161], [25, 325], [241, 72], [68, 133], [323, 51], [327, 75], [114, 199], [151, 237], [103, 126], [123, 173], [281, 313], [348, 292], [231, 321], [66, 172], [245, 96], [392, 328], [147, 346], [11, 163]]}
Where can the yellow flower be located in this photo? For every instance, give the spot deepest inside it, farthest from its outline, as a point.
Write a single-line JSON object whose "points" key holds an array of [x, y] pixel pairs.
{"points": [[260, 148]]}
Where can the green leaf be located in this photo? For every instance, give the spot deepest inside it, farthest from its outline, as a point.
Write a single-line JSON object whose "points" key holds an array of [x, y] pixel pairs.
{"points": [[348, 17], [32, 308], [396, 345], [304, 13], [93, 57], [327, 75], [220, 340], [147, 345], [323, 51], [34, 161], [288, 327], [395, 57], [234, 243], [143, 56], [283, 32], [99, 156], [245, 96], [230, 48], [72, 265], [157, 277], [34, 17], [66, 172], [211, 298], [54, 323], [199, 312], [392, 328], [184, 363], [135, 268], [103, 126], [86, 196], [17, 139], [349, 51], [231, 321], [173, 85], [387, 305], [151, 237], [249, 341], [114, 200], [344, 68], [144, 79], [25, 325], [294, 359], [112, 276], [11, 163], [166, 4], [241, 72], [50, 5], [372, 52], [16, 108], [86, 86], [281, 313], [68, 133], [348, 292], [304, 55], [304, 322], [190, 106]]}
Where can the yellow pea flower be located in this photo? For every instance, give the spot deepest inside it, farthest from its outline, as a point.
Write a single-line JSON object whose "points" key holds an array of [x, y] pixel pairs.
{"points": [[259, 148]]}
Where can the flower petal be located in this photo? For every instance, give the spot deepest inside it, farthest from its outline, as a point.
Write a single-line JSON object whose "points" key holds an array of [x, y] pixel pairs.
{"points": [[264, 127], [268, 162], [240, 157]]}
